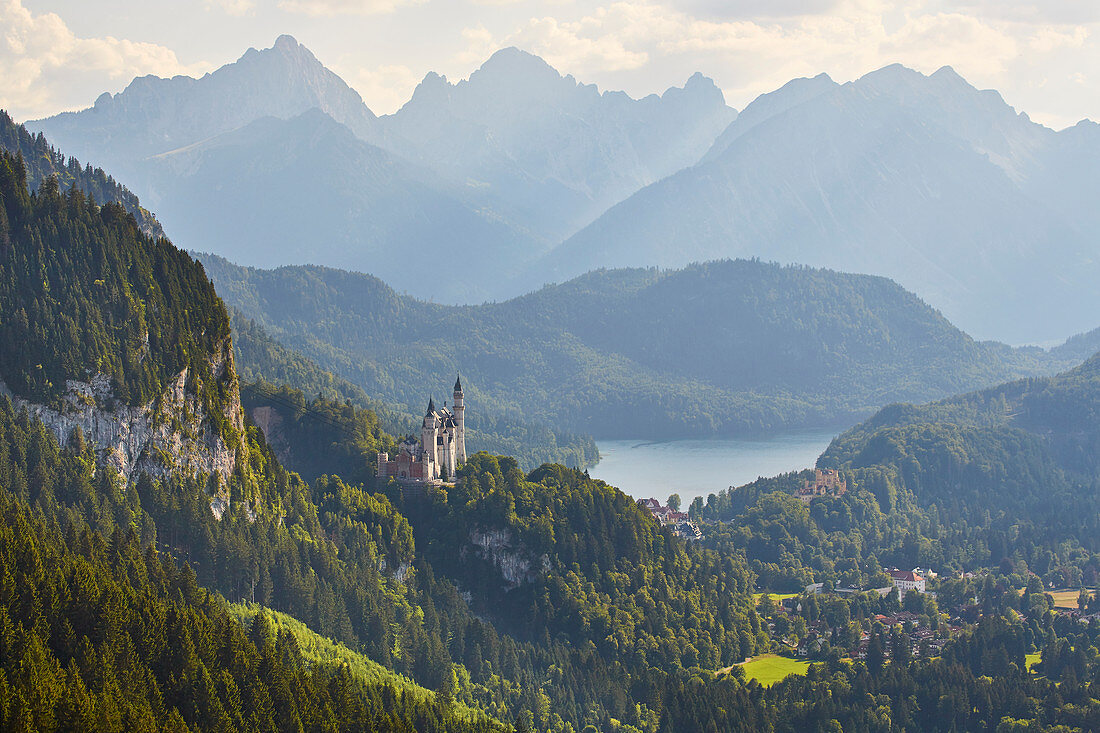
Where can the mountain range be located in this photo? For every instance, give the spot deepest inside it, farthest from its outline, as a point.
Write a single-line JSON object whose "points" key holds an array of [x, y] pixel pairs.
{"points": [[729, 347], [208, 587], [923, 179], [519, 176], [289, 166]]}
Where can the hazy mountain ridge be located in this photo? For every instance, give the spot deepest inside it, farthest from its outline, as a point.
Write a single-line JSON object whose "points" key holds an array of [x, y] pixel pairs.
{"points": [[553, 151], [157, 115], [726, 347], [479, 177], [923, 179], [307, 189]]}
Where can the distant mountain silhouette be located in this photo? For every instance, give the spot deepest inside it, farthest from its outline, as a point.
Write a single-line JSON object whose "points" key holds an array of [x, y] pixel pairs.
{"points": [[924, 179], [553, 152], [449, 198]]}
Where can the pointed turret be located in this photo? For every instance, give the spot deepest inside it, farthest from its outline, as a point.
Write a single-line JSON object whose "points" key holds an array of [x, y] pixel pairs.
{"points": [[460, 422], [431, 405]]}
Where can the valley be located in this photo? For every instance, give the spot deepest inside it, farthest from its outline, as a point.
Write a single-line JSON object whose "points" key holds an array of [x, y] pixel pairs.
{"points": [[210, 408]]}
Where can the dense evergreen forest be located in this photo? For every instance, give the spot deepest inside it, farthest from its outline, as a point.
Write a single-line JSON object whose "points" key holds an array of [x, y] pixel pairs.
{"points": [[83, 290], [100, 632], [719, 348], [544, 599], [42, 161]]}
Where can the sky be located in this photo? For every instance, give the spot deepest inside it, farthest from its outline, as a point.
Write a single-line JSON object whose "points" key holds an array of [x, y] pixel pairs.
{"points": [[1043, 56]]}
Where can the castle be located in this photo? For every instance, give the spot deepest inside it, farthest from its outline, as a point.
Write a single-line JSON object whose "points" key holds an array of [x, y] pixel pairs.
{"points": [[442, 446], [826, 482]]}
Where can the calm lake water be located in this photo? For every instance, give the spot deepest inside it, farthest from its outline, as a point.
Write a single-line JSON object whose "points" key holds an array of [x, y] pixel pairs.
{"points": [[699, 467]]}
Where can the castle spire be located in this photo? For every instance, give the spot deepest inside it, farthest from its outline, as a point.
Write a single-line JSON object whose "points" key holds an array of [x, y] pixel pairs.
{"points": [[431, 405], [458, 383]]}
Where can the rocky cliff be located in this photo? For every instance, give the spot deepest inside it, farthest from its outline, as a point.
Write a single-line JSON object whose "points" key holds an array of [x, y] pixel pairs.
{"points": [[171, 433], [497, 547]]}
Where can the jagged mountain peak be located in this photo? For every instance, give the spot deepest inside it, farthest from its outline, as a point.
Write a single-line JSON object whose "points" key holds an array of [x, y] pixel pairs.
{"points": [[432, 89], [287, 42], [512, 74], [154, 115], [768, 105], [697, 87], [286, 49], [512, 59]]}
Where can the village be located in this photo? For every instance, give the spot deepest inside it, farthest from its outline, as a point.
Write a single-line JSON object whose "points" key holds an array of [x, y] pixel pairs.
{"points": [[679, 522]]}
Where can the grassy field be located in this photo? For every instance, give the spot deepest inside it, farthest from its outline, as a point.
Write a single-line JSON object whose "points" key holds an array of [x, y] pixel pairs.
{"points": [[317, 649], [1065, 598], [767, 669], [777, 597], [1031, 660]]}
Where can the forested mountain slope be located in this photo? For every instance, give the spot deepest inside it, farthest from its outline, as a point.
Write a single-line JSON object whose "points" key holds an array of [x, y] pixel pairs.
{"points": [[724, 347], [548, 599], [342, 558], [260, 358], [1058, 416], [105, 634], [120, 337], [1005, 477], [42, 160]]}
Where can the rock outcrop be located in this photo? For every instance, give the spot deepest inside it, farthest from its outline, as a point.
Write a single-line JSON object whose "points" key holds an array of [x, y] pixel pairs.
{"points": [[497, 546], [171, 433]]}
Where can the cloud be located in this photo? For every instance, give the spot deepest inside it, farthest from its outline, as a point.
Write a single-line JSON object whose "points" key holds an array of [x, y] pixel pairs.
{"points": [[1061, 12], [386, 87], [480, 45], [345, 7], [232, 7], [1050, 39], [44, 66], [749, 50], [926, 41], [590, 44], [745, 9]]}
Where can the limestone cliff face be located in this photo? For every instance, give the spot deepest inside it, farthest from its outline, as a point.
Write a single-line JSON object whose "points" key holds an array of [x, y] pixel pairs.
{"points": [[269, 420], [172, 433], [516, 568]]}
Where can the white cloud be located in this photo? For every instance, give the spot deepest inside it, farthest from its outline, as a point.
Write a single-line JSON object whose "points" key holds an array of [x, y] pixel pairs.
{"points": [[633, 44], [345, 7], [480, 44], [588, 44], [963, 41], [1049, 39], [232, 7], [43, 63], [385, 88], [1030, 11]]}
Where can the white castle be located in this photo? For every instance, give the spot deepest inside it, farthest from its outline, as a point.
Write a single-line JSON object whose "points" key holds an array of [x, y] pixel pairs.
{"points": [[441, 449]]}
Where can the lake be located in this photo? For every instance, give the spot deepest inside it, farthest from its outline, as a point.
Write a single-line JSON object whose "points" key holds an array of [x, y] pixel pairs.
{"points": [[693, 468]]}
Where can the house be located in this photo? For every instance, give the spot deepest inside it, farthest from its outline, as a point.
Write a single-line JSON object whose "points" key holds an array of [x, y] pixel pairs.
{"points": [[906, 580]]}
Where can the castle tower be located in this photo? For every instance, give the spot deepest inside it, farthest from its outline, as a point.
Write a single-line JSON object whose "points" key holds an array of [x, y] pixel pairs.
{"points": [[460, 425], [429, 431]]}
